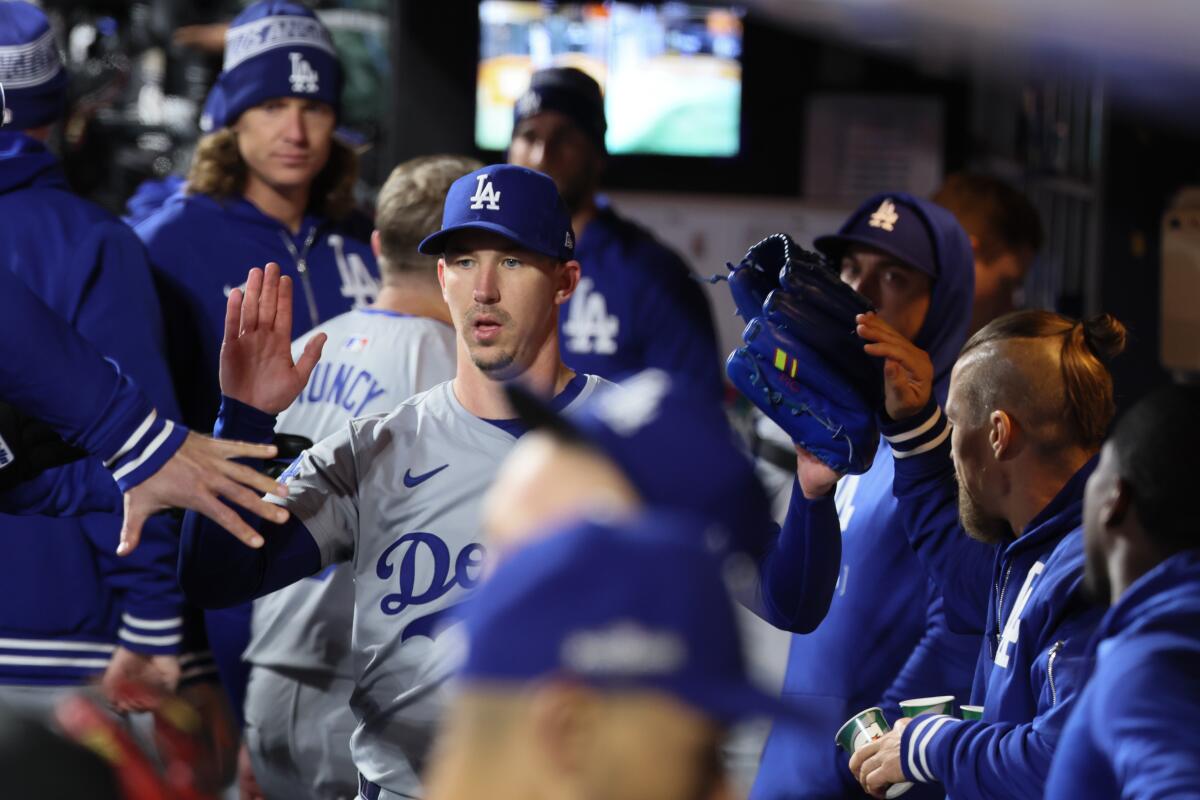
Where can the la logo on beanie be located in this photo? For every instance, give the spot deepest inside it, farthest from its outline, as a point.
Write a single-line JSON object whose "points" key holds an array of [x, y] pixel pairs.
{"points": [[303, 78]]}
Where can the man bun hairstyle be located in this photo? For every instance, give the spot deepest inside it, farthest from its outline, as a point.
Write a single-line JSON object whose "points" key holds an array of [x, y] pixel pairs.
{"points": [[1079, 410]]}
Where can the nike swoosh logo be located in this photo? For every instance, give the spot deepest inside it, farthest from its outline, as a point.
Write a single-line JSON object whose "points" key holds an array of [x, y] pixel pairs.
{"points": [[412, 481]]}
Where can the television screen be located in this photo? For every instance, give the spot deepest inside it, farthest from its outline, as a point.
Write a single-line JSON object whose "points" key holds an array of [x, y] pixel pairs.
{"points": [[671, 73]]}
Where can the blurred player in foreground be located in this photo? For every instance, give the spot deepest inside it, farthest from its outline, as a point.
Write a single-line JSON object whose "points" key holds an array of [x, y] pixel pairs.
{"points": [[580, 686]]}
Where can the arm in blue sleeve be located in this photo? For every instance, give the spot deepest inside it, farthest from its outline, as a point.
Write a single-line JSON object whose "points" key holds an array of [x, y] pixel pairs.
{"points": [[215, 569], [111, 418], [927, 492], [799, 572], [943, 662], [1006, 760], [80, 487]]}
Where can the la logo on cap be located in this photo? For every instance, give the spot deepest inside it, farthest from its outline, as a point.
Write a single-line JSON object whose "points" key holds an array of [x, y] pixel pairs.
{"points": [[885, 216], [303, 78], [485, 194], [529, 104]]}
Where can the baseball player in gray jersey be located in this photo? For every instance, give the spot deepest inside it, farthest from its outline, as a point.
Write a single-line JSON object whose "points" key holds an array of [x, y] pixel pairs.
{"points": [[300, 648], [398, 495]]}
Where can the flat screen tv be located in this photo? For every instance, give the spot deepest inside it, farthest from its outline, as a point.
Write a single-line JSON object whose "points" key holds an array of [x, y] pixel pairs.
{"points": [[671, 72]]}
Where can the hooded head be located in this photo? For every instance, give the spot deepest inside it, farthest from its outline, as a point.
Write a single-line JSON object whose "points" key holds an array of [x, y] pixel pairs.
{"points": [[926, 237], [274, 48], [31, 69]]}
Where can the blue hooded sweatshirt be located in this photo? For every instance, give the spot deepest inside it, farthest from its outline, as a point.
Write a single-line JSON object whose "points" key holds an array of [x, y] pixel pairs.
{"points": [[92, 271], [884, 638], [1132, 734], [1022, 597], [202, 248]]}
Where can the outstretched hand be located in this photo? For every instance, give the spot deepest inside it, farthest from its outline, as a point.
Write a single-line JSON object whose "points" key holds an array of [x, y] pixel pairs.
{"points": [[907, 370], [256, 354], [200, 473]]}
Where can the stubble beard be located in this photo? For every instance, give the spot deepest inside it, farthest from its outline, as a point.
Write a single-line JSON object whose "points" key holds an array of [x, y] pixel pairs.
{"points": [[978, 524]]}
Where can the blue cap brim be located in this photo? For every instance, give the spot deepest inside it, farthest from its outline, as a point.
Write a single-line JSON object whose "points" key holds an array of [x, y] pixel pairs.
{"points": [[834, 246], [434, 244]]}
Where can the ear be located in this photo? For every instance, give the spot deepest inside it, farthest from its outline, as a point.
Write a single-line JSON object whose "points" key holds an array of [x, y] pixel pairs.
{"points": [[568, 281], [375, 246], [974, 243], [442, 278], [563, 718], [1001, 434], [1116, 504]]}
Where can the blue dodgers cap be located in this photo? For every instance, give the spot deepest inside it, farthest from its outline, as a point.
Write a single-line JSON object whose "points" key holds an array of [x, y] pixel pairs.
{"points": [[676, 447], [637, 604], [894, 223], [31, 69], [572, 93], [274, 48], [517, 203]]}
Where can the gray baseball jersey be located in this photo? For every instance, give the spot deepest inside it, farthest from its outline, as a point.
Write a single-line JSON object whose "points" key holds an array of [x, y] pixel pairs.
{"points": [[372, 361], [398, 496]]}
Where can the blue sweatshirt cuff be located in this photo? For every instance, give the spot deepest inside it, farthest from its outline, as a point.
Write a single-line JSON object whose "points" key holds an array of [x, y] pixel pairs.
{"points": [[198, 667], [923, 432], [237, 420], [152, 630], [919, 746], [145, 450]]}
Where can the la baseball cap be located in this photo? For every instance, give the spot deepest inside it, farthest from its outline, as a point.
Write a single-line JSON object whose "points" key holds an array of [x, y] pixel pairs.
{"points": [[633, 604], [572, 93], [674, 444], [896, 223], [31, 69], [519, 204], [274, 48]]}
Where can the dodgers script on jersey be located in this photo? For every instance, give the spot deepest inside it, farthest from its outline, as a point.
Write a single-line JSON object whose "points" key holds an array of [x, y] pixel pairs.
{"points": [[373, 360], [398, 495]]}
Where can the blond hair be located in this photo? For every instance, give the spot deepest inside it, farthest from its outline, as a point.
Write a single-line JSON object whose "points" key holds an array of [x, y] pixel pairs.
{"points": [[219, 171]]}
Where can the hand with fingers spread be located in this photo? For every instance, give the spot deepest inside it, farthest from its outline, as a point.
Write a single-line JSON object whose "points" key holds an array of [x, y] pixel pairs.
{"points": [[877, 765], [256, 354], [200, 473], [907, 369]]}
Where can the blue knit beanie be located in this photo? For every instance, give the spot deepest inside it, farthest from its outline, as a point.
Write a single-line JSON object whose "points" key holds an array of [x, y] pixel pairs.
{"points": [[274, 48], [31, 69]]}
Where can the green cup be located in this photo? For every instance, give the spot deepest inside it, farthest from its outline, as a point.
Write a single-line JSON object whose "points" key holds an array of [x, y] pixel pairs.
{"points": [[928, 705], [863, 728], [972, 712]]}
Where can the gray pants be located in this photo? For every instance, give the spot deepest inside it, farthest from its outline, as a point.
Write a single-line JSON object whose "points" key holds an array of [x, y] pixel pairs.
{"points": [[298, 728]]}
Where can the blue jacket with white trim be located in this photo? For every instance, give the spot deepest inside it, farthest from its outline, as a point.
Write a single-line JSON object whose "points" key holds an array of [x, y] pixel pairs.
{"points": [[68, 599], [1022, 597], [1132, 734]]}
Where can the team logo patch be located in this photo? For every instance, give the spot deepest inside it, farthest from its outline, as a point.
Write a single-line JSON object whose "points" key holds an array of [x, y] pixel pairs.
{"points": [[485, 195], [356, 344], [885, 217], [303, 78]]}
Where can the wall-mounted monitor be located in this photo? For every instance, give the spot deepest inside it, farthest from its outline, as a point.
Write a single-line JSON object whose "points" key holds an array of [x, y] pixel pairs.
{"points": [[671, 72]]}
